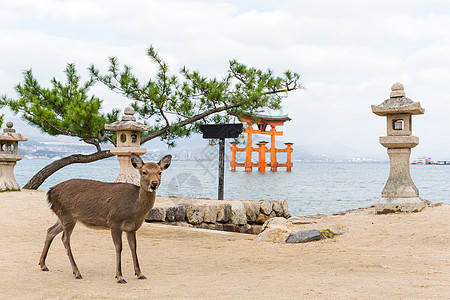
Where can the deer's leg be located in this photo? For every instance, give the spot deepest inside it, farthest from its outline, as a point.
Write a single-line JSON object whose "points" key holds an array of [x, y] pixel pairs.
{"points": [[131, 236], [67, 232], [116, 233], [51, 233]]}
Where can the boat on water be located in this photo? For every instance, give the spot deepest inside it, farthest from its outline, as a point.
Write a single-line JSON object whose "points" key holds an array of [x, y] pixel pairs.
{"points": [[424, 160]]}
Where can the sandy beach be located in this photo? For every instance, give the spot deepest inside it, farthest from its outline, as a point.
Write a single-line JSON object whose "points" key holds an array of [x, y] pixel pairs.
{"points": [[399, 256]]}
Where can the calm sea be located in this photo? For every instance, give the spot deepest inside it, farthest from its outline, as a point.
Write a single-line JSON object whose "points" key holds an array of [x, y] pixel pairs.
{"points": [[310, 188]]}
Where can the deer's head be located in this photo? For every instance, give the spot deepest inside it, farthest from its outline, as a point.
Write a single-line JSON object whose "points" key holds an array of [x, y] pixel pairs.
{"points": [[150, 172]]}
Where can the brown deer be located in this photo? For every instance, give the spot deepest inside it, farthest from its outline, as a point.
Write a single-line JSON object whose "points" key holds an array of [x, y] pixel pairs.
{"points": [[115, 206]]}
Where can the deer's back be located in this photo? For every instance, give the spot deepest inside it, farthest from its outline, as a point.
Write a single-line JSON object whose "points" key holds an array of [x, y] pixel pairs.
{"points": [[94, 203]]}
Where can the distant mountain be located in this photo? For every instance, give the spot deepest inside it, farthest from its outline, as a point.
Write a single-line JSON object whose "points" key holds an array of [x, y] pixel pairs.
{"points": [[41, 144]]}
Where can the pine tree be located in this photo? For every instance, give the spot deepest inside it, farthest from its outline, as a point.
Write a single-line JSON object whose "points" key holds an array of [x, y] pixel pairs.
{"points": [[175, 105]]}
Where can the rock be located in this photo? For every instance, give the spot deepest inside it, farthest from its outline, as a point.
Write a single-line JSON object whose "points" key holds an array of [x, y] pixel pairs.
{"points": [[195, 213], [224, 213], [183, 224], [261, 219], [299, 220], [286, 213], [231, 227], [272, 214], [251, 210], [275, 222], [304, 236], [265, 207], [245, 228], [210, 213], [203, 226], [238, 215], [156, 214], [216, 226], [277, 208], [275, 235], [175, 213], [256, 229], [338, 229]]}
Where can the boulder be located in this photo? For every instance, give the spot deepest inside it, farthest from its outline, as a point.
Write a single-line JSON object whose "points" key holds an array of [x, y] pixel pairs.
{"points": [[338, 229], [224, 213], [210, 213], [304, 236], [301, 220], [156, 214], [265, 207], [238, 215], [182, 224], [216, 226], [195, 213], [245, 228], [231, 227], [277, 208], [251, 210], [256, 229], [261, 219], [275, 235], [175, 213], [203, 226], [275, 222], [286, 213]]}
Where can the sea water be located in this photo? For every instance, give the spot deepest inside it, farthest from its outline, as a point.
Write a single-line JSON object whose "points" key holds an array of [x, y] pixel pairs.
{"points": [[310, 188]]}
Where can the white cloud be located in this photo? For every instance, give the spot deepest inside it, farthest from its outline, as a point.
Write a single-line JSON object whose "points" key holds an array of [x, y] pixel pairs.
{"points": [[349, 53]]}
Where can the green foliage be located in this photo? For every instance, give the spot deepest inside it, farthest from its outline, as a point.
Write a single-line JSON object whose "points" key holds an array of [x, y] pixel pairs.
{"points": [[1, 120], [177, 105], [63, 109]]}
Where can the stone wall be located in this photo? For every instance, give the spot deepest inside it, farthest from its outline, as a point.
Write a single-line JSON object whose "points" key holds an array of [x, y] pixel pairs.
{"points": [[245, 216]]}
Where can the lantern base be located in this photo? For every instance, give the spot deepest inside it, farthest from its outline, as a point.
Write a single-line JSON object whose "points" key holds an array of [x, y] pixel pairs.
{"points": [[392, 205], [127, 172], [7, 180]]}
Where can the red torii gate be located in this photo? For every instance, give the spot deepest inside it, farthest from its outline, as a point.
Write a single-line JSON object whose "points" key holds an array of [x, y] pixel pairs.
{"points": [[262, 121]]}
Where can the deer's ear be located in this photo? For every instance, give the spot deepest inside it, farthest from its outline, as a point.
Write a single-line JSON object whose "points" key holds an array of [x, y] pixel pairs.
{"points": [[164, 163], [136, 161]]}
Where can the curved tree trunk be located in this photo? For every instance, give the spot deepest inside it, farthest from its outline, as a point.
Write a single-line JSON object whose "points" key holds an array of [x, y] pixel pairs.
{"points": [[39, 178]]}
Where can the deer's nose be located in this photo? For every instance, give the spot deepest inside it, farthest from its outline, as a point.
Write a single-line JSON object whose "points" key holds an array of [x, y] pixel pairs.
{"points": [[154, 184]]}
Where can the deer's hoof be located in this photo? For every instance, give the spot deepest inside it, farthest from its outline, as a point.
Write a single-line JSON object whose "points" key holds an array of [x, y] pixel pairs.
{"points": [[44, 269], [142, 277], [79, 277], [122, 281]]}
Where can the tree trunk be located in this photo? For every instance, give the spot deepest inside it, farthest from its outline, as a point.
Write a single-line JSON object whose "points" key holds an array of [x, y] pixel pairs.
{"points": [[39, 178]]}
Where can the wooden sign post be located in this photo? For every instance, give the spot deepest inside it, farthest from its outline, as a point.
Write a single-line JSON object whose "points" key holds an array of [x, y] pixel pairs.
{"points": [[221, 132]]}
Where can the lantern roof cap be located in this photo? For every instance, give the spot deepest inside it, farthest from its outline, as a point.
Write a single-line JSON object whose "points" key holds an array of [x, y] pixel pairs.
{"points": [[398, 103], [10, 134], [128, 122]]}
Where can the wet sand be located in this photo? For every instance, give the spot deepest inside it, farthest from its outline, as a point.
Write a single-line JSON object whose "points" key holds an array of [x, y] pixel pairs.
{"points": [[399, 256]]}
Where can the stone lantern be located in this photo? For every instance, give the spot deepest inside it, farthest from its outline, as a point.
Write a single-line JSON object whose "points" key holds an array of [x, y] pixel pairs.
{"points": [[399, 193], [128, 142], [9, 146]]}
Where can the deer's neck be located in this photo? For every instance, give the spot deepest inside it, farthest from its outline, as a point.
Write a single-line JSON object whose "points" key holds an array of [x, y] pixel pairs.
{"points": [[146, 200]]}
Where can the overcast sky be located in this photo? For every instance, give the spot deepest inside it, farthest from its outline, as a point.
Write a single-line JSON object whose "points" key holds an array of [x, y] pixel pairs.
{"points": [[349, 54]]}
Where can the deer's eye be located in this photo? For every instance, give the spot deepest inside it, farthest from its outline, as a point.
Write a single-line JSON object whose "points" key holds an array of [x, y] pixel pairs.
{"points": [[144, 173]]}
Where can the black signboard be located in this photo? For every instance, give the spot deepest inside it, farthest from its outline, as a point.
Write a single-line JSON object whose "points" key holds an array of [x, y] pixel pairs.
{"points": [[221, 131]]}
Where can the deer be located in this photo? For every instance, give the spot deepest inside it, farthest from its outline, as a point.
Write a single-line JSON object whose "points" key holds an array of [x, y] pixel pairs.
{"points": [[119, 207]]}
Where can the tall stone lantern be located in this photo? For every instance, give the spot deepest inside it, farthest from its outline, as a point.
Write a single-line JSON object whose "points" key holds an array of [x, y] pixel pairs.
{"points": [[128, 142], [399, 193], [9, 146]]}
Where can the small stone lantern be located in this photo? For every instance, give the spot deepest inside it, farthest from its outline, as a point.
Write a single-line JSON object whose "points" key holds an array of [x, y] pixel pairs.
{"points": [[399, 193], [9, 146], [128, 142]]}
